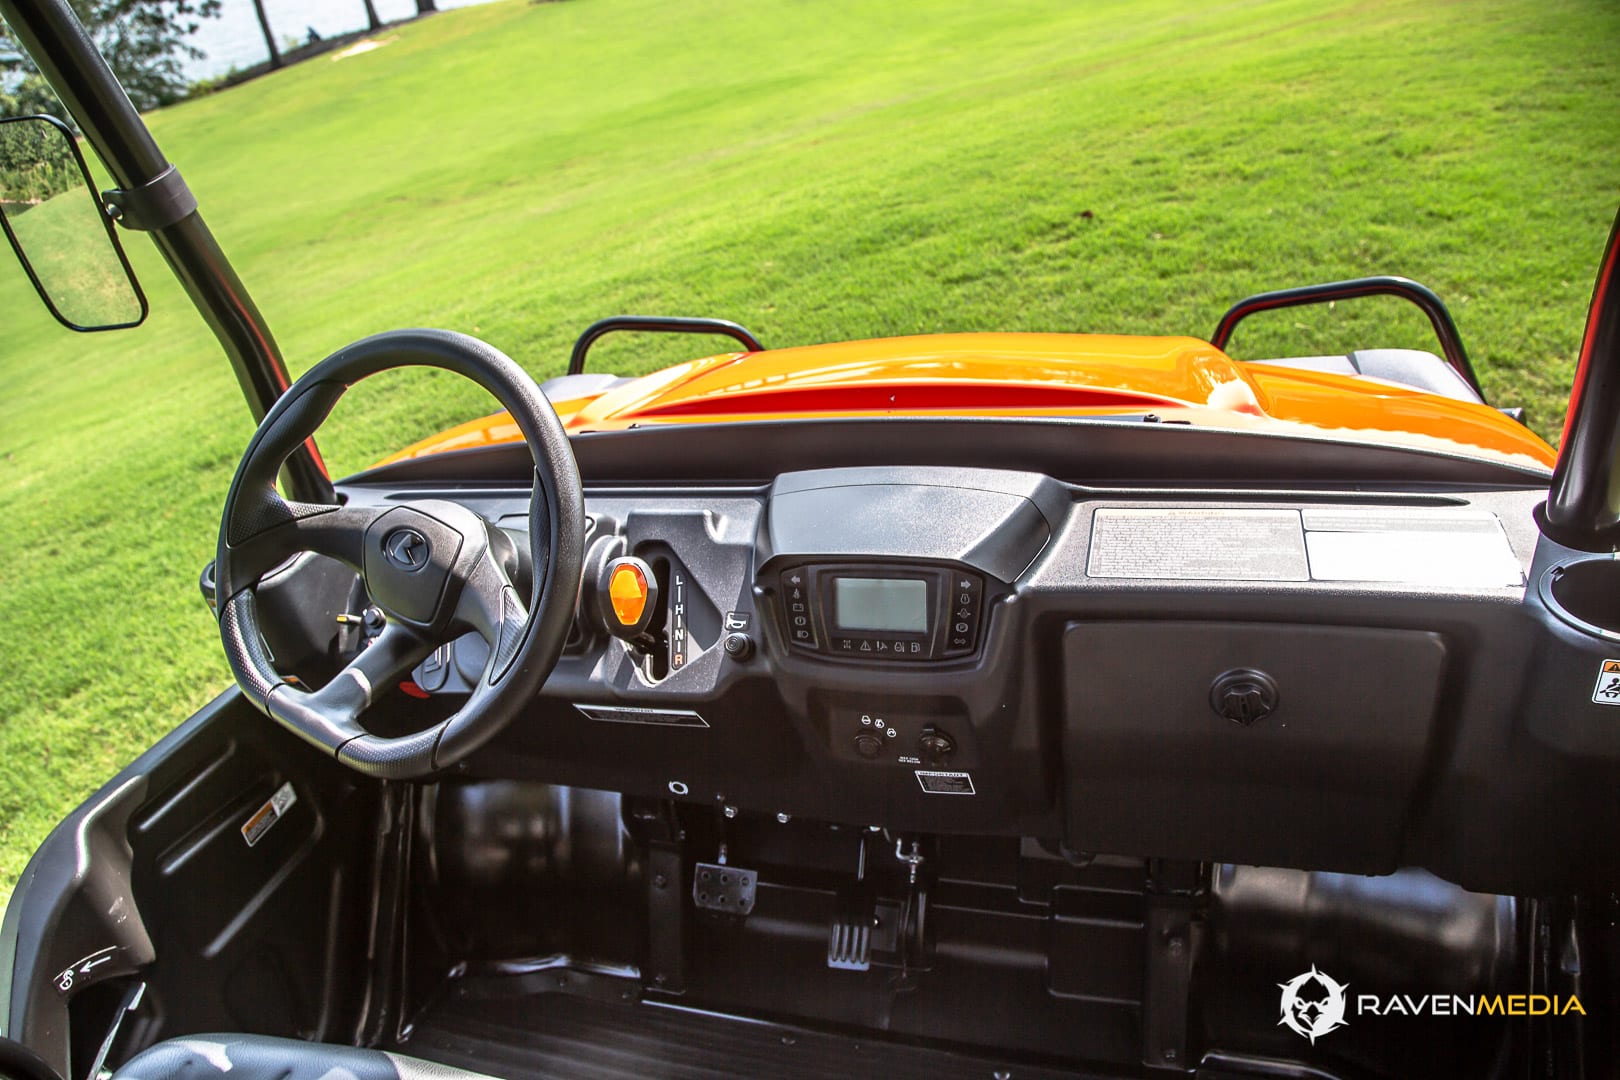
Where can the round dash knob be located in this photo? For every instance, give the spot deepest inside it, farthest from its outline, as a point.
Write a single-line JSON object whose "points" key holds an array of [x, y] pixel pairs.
{"points": [[1244, 695]]}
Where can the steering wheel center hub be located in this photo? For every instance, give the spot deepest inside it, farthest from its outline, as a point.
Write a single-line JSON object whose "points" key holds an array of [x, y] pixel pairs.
{"points": [[411, 553]]}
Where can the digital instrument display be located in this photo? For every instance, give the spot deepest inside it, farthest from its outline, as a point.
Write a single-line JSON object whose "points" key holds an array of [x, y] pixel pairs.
{"points": [[880, 613], [899, 604]]}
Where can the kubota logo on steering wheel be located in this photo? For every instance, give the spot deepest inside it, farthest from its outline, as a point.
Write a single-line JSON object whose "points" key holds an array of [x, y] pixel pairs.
{"points": [[1313, 1004], [406, 549]]}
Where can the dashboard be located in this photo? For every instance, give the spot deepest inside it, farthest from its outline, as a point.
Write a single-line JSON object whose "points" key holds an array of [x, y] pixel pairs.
{"points": [[1350, 677]]}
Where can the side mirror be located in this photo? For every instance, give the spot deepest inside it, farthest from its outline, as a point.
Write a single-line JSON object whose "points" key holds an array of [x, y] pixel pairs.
{"points": [[55, 222]]}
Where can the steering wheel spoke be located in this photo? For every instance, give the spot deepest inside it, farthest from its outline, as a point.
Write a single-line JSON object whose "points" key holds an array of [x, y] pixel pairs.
{"points": [[338, 532], [385, 661], [490, 605], [332, 714]]}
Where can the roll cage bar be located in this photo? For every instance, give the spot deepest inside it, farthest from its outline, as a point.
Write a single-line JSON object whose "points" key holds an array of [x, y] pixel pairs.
{"points": [[1419, 295]]}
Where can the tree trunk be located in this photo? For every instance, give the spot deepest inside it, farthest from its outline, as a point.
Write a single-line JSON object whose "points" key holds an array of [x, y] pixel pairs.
{"points": [[373, 23], [269, 38], [424, 7]]}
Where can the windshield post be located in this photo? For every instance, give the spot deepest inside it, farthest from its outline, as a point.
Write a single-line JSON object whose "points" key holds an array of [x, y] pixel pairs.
{"points": [[1583, 506], [53, 36]]}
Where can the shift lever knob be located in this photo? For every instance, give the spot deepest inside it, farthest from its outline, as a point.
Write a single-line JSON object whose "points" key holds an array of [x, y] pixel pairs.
{"points": [[627, 597]]}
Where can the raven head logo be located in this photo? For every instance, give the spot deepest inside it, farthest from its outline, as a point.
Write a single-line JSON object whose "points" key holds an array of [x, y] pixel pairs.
{"points": [[1313, 1004]]}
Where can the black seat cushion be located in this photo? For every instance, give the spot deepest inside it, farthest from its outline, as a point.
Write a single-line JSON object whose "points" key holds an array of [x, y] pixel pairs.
{"points": [[260, 1057]]}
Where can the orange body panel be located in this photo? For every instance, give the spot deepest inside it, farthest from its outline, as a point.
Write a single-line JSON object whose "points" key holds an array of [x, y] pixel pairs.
{"points": [[1181, 378]]}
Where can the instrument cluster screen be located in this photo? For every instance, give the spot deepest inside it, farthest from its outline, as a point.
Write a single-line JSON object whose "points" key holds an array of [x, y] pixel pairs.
{"points": [[881, 612], [898, 604]]}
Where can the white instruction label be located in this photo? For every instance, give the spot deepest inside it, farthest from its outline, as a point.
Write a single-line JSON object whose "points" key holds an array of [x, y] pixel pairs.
{"points": [[1464, 549], [1198, 544], [1607, 690]]}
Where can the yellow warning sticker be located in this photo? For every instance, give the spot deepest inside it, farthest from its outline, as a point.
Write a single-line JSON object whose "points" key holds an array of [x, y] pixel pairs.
{"points": [[1607, 690]]}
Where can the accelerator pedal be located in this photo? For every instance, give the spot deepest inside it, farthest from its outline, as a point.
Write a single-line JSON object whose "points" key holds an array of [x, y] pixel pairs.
{"points": [[849, 940]]}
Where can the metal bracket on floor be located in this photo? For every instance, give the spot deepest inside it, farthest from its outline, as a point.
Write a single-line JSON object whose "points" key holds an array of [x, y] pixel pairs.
{"points": [[1174, 933], [387, 994], [665, 969]]}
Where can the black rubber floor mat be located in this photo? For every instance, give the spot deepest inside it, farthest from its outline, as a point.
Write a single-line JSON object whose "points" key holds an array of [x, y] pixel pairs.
{"points": [[562, 1036]]}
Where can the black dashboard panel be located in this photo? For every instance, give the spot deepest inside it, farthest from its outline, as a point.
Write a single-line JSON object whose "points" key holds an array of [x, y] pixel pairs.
{"points": [[1330, 762], [1429, 709], [988, 520]]}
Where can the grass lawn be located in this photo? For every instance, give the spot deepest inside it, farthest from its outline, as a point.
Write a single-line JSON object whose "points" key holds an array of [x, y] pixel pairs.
{"points": [[814, 170]]}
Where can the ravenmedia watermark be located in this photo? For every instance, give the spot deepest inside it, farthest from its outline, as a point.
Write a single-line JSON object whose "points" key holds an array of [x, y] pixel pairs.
{"points": [[1314, 1004], [1478, 1005]]}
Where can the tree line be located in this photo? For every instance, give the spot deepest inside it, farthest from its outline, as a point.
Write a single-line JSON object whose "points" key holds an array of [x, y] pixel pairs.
{"points": [[146, 42], [373, 24]]}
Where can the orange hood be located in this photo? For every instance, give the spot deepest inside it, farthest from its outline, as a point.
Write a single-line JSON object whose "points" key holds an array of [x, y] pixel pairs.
{"points": [[1181, 379]]}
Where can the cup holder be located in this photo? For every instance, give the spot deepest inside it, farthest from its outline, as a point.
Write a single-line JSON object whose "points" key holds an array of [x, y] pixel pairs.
{"points": [[1586, 594]]}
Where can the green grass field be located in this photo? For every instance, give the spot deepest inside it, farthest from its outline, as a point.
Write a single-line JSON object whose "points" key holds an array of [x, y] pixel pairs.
{"points": [[814, 170]]}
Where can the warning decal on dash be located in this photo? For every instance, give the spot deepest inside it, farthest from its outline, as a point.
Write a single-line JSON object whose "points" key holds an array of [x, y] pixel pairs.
{"points": [[1607, 690], [945, 783], [265, 817]]}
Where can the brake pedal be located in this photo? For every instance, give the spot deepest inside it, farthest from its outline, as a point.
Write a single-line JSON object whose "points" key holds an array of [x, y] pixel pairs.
{"points": [[724, 888]]}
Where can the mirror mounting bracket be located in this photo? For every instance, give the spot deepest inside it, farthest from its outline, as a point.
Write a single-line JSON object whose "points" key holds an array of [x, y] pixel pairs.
{"points": [[160, 202]]}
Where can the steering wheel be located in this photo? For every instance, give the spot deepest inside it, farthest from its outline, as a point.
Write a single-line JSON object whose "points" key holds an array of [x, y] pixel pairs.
{"points": [[434, 568]]}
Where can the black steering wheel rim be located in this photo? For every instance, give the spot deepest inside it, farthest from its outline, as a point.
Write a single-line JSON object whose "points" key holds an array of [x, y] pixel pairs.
{"points": [[458, 582]]}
